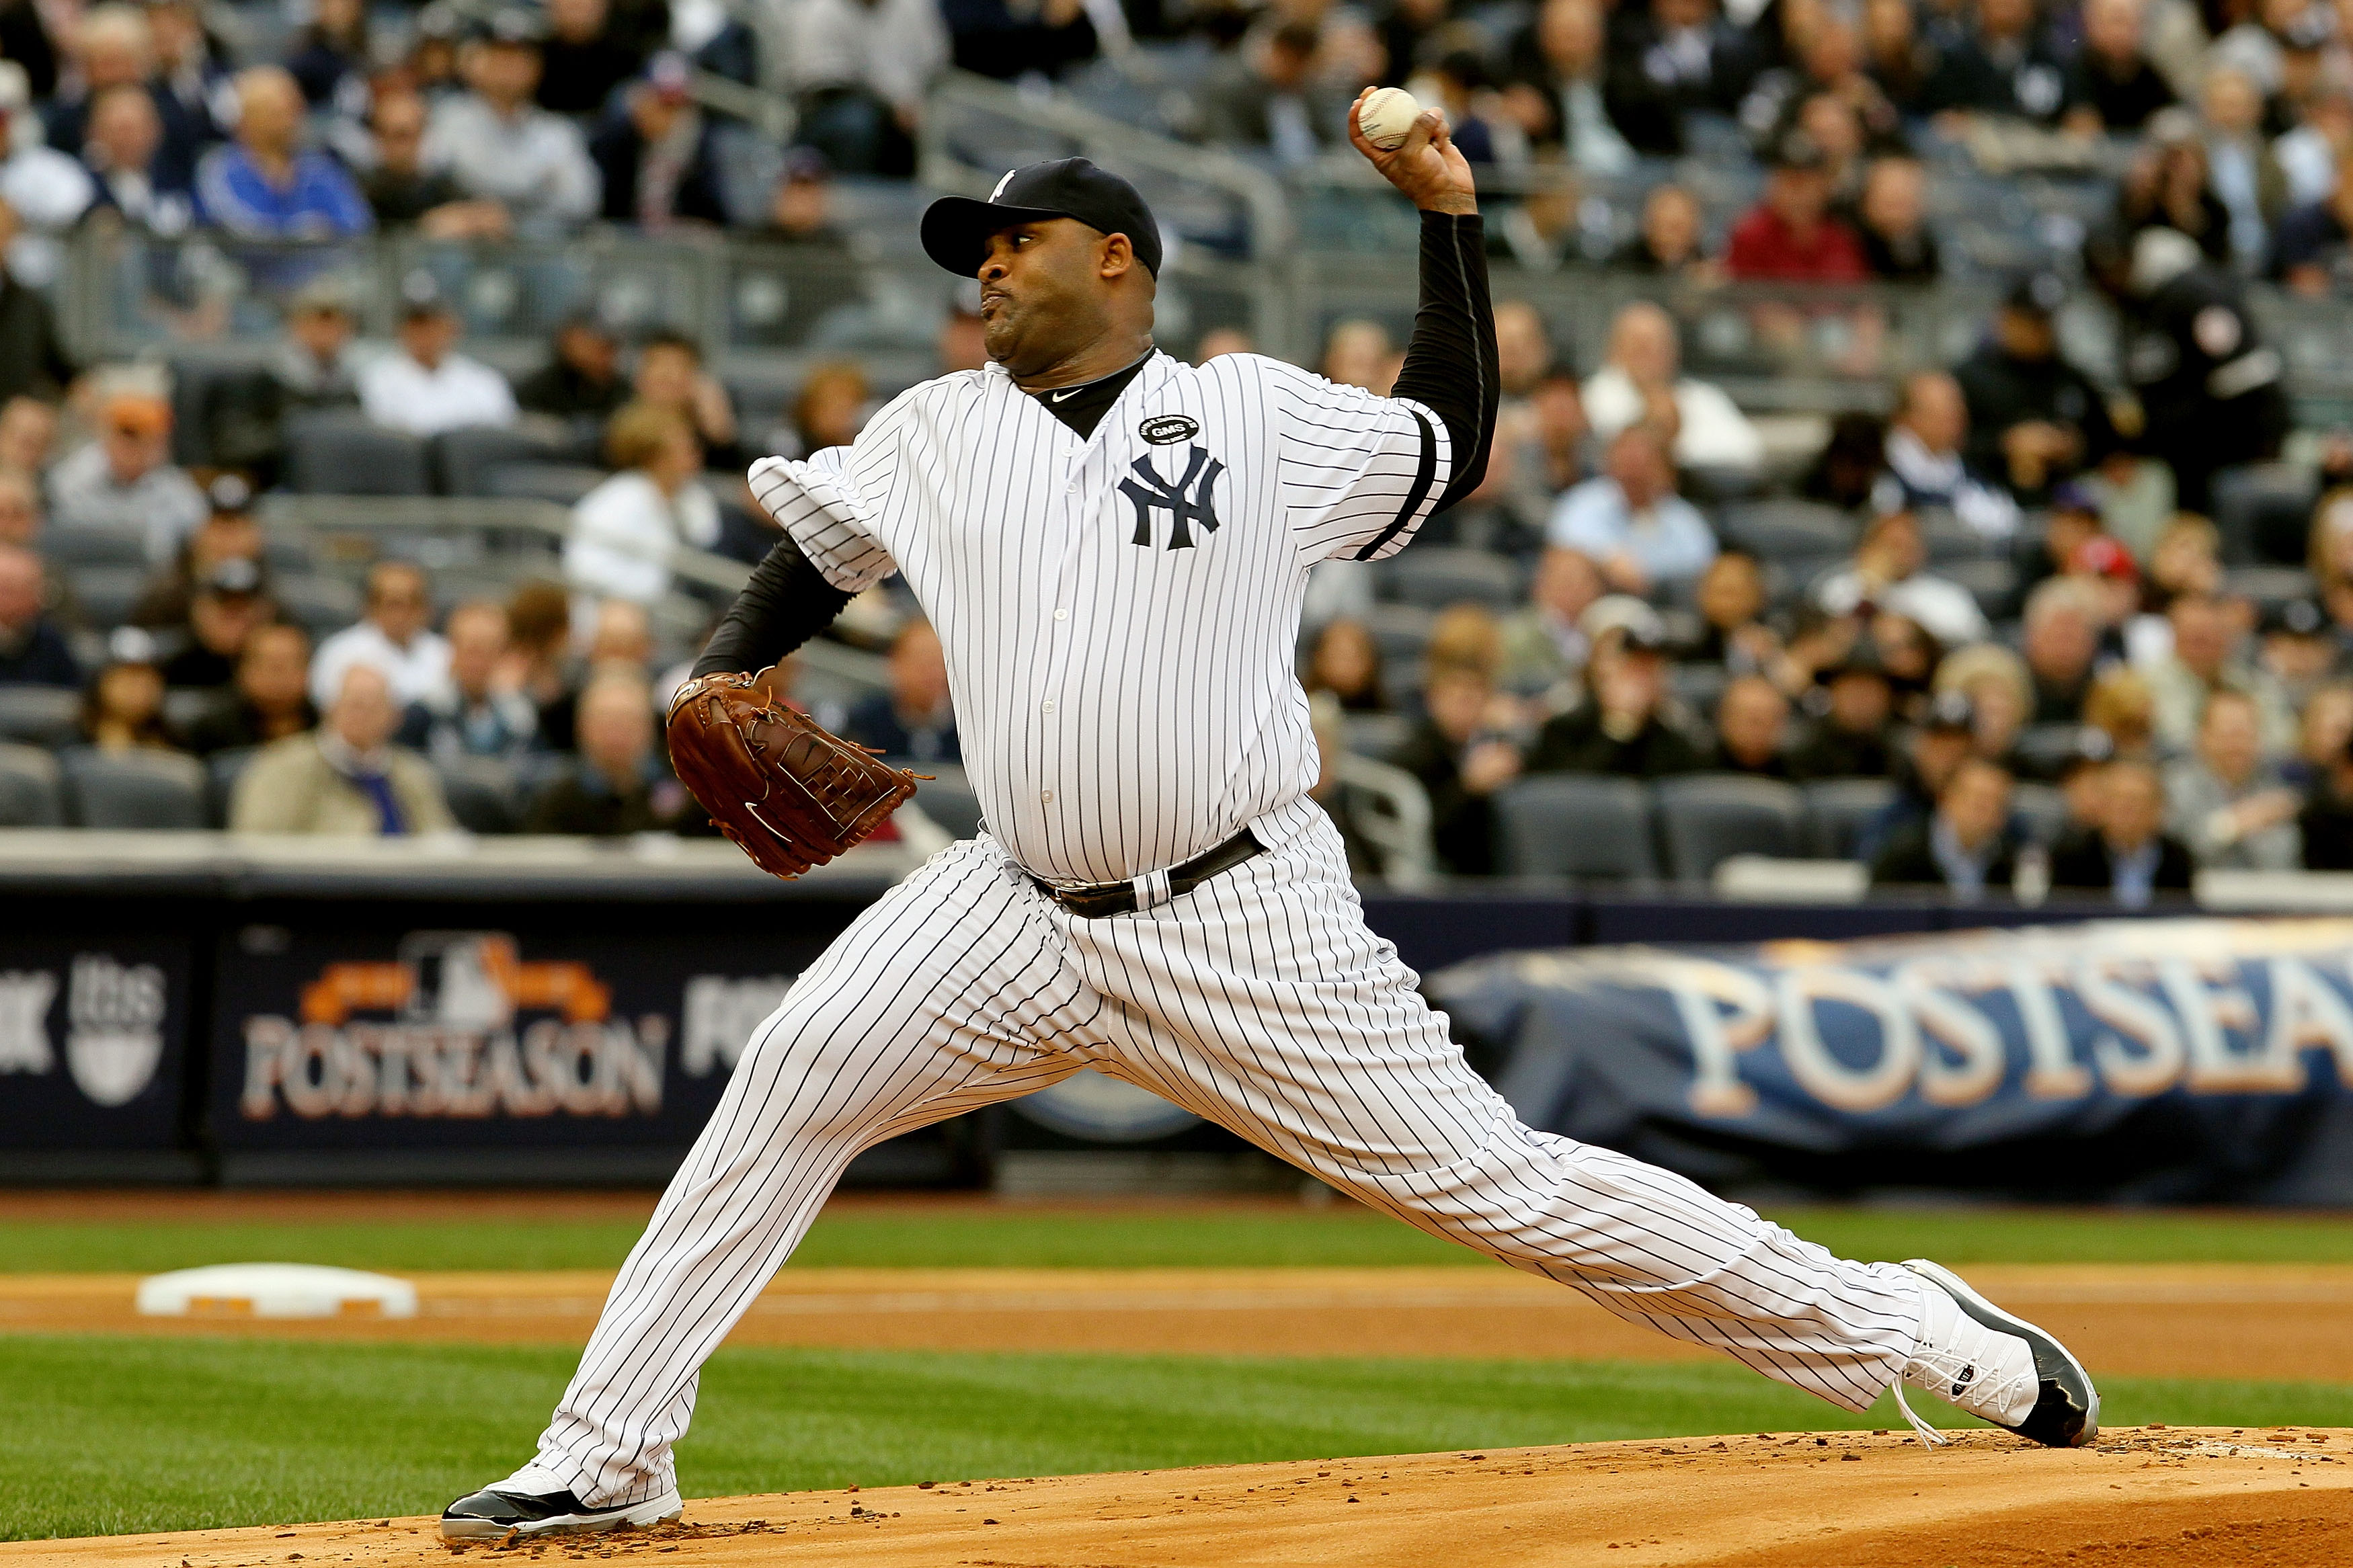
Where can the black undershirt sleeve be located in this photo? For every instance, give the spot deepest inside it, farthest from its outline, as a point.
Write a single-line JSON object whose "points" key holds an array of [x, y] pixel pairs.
{"points": [[786, 602], [1450, 364]]}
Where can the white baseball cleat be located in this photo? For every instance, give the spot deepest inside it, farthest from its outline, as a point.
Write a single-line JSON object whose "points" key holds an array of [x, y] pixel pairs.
{"points": [[1997, 1367], [529, 1502]]}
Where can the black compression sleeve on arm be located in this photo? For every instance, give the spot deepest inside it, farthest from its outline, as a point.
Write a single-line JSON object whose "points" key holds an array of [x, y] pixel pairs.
{"points": [[786, 602], [1449, 365]]}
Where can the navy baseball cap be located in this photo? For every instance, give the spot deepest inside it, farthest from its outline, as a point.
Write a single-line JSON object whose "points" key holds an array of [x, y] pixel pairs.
{"points": [[957, 229]]}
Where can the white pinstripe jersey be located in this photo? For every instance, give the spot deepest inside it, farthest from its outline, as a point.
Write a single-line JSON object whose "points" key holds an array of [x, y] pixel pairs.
{"points": [[1119, 611]]}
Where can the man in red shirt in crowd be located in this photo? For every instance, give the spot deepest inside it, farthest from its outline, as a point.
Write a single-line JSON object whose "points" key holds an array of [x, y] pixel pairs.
{"points": [[1790, 236]]}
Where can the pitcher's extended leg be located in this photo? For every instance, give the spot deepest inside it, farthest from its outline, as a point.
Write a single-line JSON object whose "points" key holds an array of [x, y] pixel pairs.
{"points": [[935, 1001]]}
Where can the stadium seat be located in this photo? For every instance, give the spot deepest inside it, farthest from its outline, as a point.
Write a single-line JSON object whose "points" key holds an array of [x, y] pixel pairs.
{"points": [[335, 453], [1993, 584], [287, 550], [481, 793], [1402, 631], [1704, 817], [1699, 687], [2263, 511], [1376, 735], [948, 799], [32, 795], [561, 483], [323, 604], [2045, 749], [1839, 810], [462, 459], [1435, 576], [75, 547], [1787, 529], [2042, 809], [2268, 587], [47, 716], [1575, 825], [222, 770], [134, 789], [1949, 539], [108, 592]]}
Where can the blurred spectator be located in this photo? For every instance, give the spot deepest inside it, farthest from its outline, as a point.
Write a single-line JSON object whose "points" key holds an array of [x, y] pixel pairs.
{"points": [[427, 386], [1345, 661], [266, 184], [1462, 752], [2123, 709], [2244, 175], [29, 428], [800, 207], [1622, 728], [2003, 65], [226, 607], [657, 153], [670, 375], [1330, 792], [2061, 641], [1356, 353], [1732, 630], [827, 410], [626, 530], [2325, 822], [125, 171], [1897, 57], [914, 718], [331, 58], [500, 145], [2033, 418], [860, 72], [2326, 729], [2111, 87], [1567, 92], [1685, 53], [25, 38], [403, 190], [33, 651], [1965, 845], [962, 343], [343, 778], [395, 634], [471, 714], [2299, 650], [582, 377], [113, 47], [2228, 804], [1790, 236], [538, 663], [1645, 366], [584, 58], [1672, 241], [1752, 722], [618, 784], [1543, 646], [1630, 522], [1897, 245], [1523, 348], [122, 706], [2000, 693], [196, 90], [34, 363], [2308, 251], [1215, 341], [268, 698], [1849, 463], [1945, 738], [2206, 658], [125, 477], [311, 366], [1925, 465], [1265, 94], [2128, 855], [2167, 185], [1853, 737], [1889, 571], [1010, 39], [2312, 153]]}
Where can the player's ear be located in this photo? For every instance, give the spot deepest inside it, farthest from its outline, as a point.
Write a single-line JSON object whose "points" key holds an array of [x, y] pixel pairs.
{"points": [[1118, 255]]}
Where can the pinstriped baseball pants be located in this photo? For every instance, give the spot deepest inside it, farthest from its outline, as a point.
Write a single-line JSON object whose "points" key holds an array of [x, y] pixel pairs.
{"points": [[1260, 1001]]}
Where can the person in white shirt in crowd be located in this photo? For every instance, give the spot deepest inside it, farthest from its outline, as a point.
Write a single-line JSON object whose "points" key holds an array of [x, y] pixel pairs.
{"points": [[1924, 459], [625, 532], [860, 68], [500, 145], [426, 387], [394, 634], [2209, 656], [125, 477], [1645, 366], [2229, 803], [1629, 522], [1888, 571], [48, 188]]}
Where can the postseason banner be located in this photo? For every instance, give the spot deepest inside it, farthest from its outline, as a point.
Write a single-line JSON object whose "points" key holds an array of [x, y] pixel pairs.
{"points": [[2177, 1060]]}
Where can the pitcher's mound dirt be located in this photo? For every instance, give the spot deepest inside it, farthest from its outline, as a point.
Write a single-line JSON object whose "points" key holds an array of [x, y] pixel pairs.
{"points": [[2146, 1498]]}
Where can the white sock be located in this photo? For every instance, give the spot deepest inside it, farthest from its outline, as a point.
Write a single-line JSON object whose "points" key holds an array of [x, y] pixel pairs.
{"points": [[1989, 1374]]}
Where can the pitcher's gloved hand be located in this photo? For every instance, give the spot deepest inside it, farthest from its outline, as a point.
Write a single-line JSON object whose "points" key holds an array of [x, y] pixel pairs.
{"points": [[790, 794]]}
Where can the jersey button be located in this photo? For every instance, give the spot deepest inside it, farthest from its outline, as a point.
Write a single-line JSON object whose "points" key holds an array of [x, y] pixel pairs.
{"points": [[1049, 705], [1061, 615], [1046, 797]]}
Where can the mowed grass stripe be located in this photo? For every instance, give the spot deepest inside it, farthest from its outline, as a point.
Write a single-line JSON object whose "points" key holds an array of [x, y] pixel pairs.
{"points": [[1343, 1236], [123, 1434]]}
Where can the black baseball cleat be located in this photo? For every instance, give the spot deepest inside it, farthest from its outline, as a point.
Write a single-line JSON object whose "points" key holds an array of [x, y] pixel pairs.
{"points": [[492, 1514], [1996, 1366]]}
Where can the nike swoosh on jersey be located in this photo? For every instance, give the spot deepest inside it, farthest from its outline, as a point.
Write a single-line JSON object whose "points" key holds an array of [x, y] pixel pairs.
{"points": [[1066, 392]]}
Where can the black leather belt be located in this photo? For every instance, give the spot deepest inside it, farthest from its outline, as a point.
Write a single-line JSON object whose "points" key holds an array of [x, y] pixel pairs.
{"points": [[1098, 899]]}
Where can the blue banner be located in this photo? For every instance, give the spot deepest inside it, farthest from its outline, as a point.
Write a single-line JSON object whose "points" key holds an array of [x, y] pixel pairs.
{"points": [[2174, 1061]]}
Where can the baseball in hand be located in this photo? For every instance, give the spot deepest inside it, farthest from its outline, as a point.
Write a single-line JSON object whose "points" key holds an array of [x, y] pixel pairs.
{"points": [[1386, 116]]}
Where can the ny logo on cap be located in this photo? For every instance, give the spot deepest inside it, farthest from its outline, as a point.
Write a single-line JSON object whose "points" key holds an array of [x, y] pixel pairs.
{"points": [[1188, 501]]}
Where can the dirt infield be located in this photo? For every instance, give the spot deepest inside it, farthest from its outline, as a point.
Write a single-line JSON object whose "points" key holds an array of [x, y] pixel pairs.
{"points": [[2278, 1322], [2145, 1499]]}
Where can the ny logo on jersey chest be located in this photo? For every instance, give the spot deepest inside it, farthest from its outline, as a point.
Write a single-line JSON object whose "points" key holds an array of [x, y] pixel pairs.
{"points": [[1189, 500]]}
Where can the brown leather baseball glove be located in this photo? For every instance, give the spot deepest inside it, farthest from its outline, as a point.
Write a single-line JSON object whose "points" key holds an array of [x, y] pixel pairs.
{"points": [[790, 794]]}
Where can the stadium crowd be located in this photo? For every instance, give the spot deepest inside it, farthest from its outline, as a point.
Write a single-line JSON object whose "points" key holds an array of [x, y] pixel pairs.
{"points": [[1664, 595]]}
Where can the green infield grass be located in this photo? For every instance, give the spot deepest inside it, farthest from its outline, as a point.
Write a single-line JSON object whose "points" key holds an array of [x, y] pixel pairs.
{"points": [[108, 1435], [1012, 1237]]}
